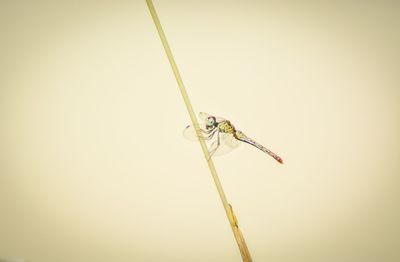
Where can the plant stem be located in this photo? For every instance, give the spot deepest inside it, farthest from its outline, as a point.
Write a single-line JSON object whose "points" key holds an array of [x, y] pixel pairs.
{"points": [[228, 208]]}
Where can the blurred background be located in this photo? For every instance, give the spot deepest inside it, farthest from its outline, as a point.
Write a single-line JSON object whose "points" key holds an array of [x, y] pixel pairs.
{"points": [[93, 164]]}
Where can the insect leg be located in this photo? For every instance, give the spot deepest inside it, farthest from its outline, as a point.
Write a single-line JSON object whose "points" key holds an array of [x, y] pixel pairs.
{"points": [[214, 146], [212, 133], [206, 134]]}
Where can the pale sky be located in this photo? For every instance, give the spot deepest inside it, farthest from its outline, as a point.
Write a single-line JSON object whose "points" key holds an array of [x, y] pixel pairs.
{"points": [[94, 167]]}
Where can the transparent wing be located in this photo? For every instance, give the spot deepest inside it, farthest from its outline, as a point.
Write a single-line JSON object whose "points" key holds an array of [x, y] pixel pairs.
{"points": [[190, 133], [227, 143], [203, 116], [231, 141]]}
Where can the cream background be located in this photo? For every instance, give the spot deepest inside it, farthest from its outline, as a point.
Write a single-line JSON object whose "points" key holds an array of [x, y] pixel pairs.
{"points": [[93, 166]]}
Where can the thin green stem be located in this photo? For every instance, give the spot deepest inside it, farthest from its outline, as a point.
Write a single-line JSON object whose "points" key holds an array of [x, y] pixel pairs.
{"points": [[228, 208]]}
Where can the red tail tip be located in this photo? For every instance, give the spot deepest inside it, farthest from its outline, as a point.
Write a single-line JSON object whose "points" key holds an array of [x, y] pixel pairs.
{"points": [[279, 160]]}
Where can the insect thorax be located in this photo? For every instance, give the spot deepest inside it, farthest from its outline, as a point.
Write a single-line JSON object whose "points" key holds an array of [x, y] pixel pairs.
{"points": [[226, 127]]}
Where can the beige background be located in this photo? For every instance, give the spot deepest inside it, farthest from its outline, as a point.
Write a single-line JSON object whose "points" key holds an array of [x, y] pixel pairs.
{"points": [[93, 166]]}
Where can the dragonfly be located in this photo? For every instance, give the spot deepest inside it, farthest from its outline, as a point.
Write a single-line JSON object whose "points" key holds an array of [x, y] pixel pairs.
{"points": [[222, 136]]}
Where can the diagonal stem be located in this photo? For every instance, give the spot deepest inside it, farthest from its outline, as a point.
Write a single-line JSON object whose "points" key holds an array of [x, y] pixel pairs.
{"points": [[228, 208]]}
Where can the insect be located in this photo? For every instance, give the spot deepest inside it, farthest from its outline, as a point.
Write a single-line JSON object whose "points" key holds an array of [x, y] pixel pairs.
{"points": [[222, 136]]}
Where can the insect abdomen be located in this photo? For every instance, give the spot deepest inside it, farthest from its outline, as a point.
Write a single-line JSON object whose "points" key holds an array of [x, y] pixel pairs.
{"points": [[242, 137]]}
